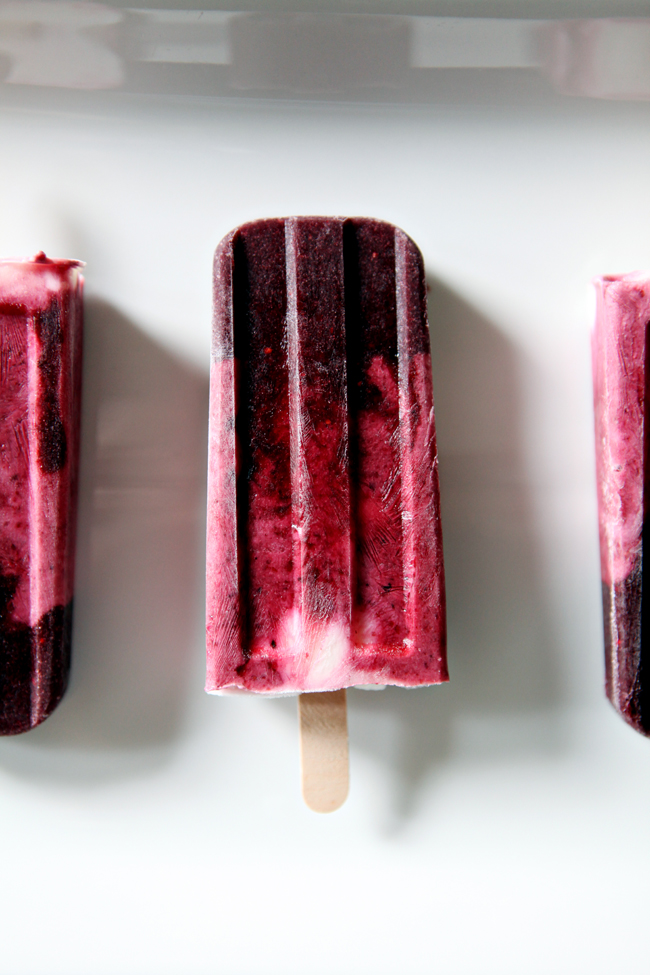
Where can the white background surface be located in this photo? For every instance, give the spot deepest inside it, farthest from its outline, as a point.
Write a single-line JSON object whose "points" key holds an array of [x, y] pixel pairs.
{"points": [[495, 825]]}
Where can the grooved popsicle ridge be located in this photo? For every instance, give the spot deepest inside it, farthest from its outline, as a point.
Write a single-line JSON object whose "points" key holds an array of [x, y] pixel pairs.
{"points": [[324, 544]]}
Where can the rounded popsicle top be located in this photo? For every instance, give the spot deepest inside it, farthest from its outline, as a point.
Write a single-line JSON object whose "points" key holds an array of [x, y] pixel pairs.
{"points": [[623, 290], [634, 277], [273, 241], [269, 222], [28, 285]]}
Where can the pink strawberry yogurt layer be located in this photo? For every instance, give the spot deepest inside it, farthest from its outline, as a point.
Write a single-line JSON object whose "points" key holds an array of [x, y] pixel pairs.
{"points": [[40, 372], [619, 357], [324, 544]]}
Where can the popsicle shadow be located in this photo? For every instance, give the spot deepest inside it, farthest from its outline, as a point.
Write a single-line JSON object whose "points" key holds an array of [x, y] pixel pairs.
{"points": [[504, 691], [138, 603]]}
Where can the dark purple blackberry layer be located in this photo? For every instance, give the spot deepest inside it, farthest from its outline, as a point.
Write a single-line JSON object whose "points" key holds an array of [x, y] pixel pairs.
{"points": [[48, 642], [627, 649]]}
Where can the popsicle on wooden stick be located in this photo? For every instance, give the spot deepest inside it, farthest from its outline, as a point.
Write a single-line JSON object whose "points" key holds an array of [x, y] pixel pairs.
{"points": [[621, 388], [324, 543], [40, 385]]}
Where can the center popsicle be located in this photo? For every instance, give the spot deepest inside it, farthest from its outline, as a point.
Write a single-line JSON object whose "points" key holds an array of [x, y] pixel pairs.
{"points": [[324, 543]]}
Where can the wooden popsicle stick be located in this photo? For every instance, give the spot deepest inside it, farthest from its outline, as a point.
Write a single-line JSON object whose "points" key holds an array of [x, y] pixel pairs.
{"points": [[324, 749]]}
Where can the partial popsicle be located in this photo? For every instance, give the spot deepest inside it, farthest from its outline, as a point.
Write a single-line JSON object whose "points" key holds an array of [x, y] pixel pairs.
{"points": [[620, 363], [324, 543], [40, 384]]}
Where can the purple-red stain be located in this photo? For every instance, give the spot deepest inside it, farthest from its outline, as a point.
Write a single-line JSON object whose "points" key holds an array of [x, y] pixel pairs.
{"points": [[53, 634]]}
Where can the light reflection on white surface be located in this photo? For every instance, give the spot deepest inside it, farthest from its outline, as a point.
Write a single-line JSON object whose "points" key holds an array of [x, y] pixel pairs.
{"points": [[81, 44], [51, 44], [181, 36], [474, 42], [599, 58]]}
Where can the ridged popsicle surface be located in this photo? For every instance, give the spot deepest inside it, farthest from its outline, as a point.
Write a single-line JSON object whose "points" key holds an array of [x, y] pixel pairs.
{"points": [[621, 387], [40, 385], [324, 544]]}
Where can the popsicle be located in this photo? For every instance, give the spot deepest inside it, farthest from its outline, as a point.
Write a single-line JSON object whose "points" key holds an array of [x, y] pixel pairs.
{"points": [[324, 554], [40, 383], [621, 385]]}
